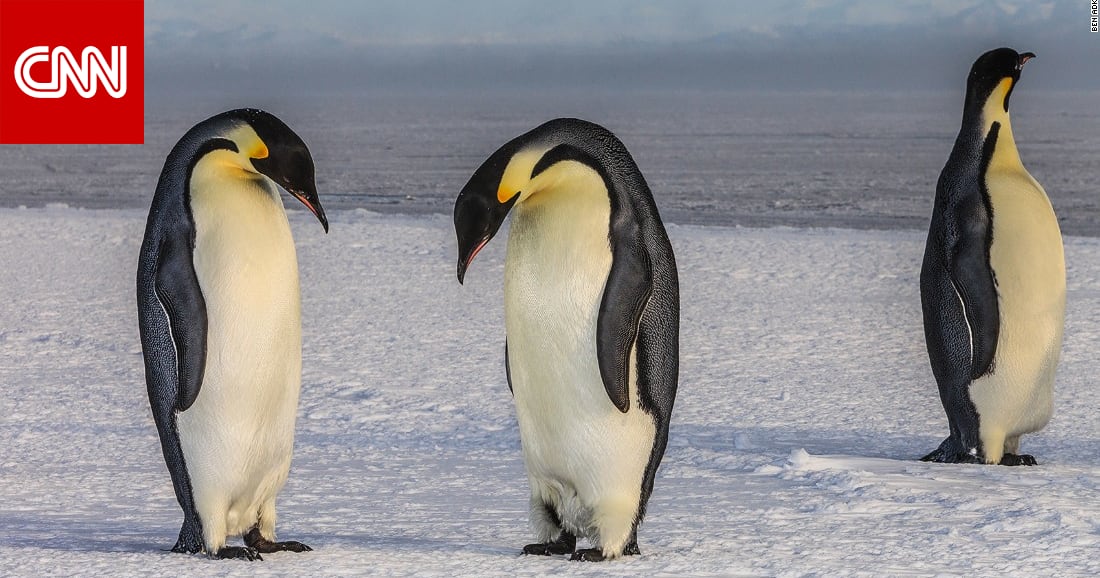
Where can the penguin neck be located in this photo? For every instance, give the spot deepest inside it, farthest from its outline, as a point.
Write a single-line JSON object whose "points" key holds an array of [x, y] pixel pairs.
{"points": [[224, 164], [979, 118], [566, 213], [222, 174], [995, 112], [559, 255], [567, 182]]}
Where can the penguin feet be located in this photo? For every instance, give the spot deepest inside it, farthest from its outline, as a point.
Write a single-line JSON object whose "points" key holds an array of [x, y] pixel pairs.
{"points": [[238, 553], [596, 554], [588, 555], [184, 547], [565, 544], [1018, 460], [190, 539], [951, 452], [260, 544]]}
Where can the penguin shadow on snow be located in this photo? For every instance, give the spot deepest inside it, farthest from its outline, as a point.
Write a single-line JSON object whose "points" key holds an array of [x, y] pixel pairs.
{"points": [[346, 542], [39, 532], [66, 535], [755, 440]]}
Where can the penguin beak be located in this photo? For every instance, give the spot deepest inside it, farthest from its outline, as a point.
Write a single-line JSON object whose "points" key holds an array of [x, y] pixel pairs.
{"points": [[1023, 59], [478, 216], [310, 200], [466, 257]]}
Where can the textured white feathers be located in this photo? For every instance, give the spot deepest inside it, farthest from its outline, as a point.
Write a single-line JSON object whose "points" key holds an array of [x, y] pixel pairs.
{"points": [[582, 454], [238, 437], [1027, 259]]}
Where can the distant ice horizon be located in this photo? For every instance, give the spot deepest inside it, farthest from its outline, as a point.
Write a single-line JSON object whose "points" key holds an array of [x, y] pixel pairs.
{"points": [[712, 44], [846, 159]]}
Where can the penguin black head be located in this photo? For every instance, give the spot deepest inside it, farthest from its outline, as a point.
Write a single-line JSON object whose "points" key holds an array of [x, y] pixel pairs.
{"points": [[278, 153], [993, 74], [529, 163], [480, 209]]}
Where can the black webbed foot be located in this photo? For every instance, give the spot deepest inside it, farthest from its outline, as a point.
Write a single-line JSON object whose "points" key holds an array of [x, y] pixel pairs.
{"points": [[1018, 460], [183, 547], [952, 458], [260, 544], [588, 555], [631, 549], [238, 552], [962, 458], [190, 538], [951, 452], [565, 544]]}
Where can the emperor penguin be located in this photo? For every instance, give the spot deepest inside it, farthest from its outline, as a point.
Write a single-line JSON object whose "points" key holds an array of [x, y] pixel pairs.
{"points": [[591, 307], [218, 308], [993, 283]]}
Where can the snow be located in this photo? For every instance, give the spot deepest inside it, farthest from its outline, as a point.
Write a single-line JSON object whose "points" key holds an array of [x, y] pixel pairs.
{"points": [[805, 399]]}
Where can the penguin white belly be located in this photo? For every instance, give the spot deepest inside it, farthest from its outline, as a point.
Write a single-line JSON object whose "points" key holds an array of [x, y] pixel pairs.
{"points": [[582, 454], [1026, 256], [238, 436]]}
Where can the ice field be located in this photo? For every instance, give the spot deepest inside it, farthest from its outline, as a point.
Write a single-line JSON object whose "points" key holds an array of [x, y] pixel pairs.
{"points": [[805, 399]]}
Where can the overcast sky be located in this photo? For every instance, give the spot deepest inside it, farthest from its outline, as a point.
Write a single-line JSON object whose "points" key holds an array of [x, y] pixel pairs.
{"points": [[822, 43]]}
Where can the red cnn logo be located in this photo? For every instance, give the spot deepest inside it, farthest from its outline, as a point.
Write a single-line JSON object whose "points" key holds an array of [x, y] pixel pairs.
{"points": [[72, 72]]}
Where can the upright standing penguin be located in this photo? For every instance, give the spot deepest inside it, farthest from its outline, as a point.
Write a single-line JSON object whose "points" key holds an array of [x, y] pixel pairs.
{"points": [[218, 307], [993, 284], [591, 308]]}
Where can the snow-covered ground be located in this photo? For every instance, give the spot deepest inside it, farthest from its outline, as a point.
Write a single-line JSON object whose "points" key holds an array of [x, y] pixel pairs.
{"points": [[805, 399]]}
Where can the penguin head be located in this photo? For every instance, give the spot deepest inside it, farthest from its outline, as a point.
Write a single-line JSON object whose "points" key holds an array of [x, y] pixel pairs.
{"points": [[480, 210], [994, 75], [540, 160], [277, 152]]}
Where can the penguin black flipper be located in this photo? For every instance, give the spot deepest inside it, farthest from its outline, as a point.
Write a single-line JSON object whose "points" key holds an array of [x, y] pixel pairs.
{"points": [[629, 285], [177, 289], [167, 263], [507, 368], [977, 291], [969, 265]]}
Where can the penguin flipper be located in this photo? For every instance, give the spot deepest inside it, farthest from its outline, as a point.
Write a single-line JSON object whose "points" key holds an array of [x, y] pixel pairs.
{"points": [[177, 289], [967, 230], [973, 282], [508, 368], [629, 285]]}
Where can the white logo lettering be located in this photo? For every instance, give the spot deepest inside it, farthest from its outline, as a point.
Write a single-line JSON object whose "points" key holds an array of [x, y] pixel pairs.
{"points": [[64, 68]]}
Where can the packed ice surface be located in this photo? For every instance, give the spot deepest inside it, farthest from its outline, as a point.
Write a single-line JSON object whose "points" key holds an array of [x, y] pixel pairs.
{"points": [[805, 399]]}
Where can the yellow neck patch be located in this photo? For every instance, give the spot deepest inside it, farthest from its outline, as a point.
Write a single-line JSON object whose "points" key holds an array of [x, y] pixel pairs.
{"points": [[248, 142], [517, 175], [1005, 155], [994, 109], [259, 151], [572, 177]]}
